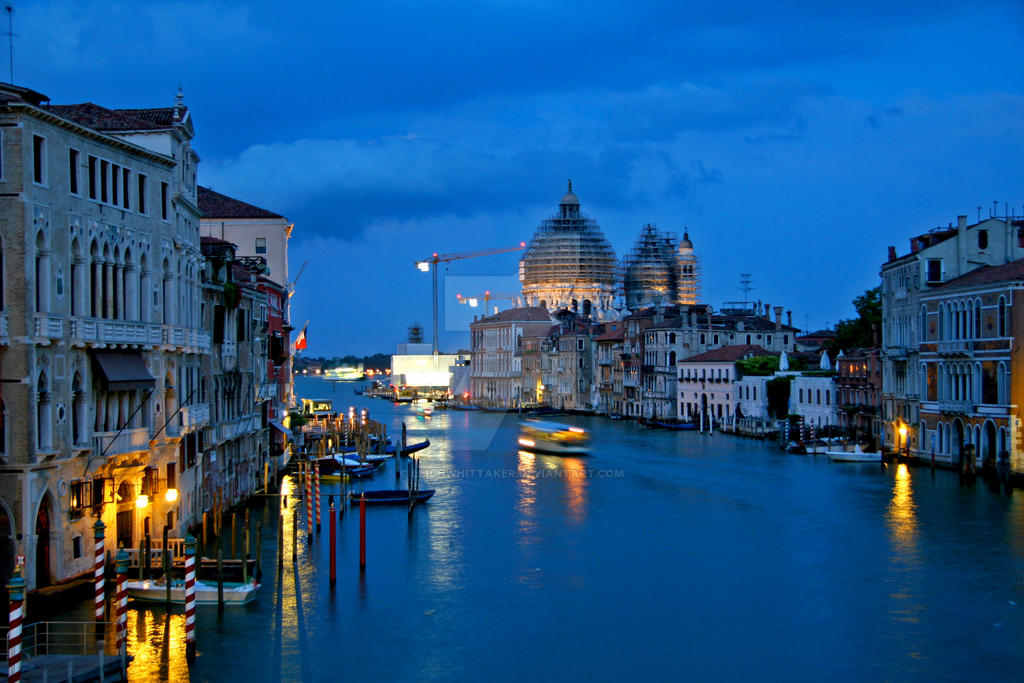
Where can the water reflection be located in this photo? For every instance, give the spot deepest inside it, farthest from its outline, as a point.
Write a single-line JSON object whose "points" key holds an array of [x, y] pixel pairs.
{"points": [[902, 513], [156, 642], [575, 475]]}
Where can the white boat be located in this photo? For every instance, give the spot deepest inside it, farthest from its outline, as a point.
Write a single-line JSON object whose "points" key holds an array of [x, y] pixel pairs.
{"points": [[856, 455], [555, 438], [206, 593]]}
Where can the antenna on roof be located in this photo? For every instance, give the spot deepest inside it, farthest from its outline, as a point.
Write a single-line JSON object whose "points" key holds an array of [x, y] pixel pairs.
{"points": [[745, 286], [10, 36]]}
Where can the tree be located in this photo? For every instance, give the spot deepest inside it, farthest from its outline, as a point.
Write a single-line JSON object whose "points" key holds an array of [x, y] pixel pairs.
{"points": [[860, 331]]}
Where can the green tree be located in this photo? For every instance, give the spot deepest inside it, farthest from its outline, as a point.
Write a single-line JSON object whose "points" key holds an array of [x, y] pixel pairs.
{"points": [[860, 331]]}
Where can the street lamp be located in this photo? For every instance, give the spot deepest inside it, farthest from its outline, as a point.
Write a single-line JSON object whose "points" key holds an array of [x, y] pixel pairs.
{"points": [[903, 436]]}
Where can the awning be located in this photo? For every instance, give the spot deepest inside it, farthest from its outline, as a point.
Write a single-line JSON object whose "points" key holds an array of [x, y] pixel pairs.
{"points": [[279, 426], [122, 371]]}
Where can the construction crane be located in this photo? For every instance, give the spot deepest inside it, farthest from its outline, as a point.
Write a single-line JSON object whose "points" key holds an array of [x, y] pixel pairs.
{"points": [[474, 301], [425, 266]]}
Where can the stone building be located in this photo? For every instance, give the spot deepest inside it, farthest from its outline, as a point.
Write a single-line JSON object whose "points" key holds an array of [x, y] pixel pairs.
{"points": [[935, 257], [858, 392], [260, 238], [608, 369], [497, 344], [968, 358], [813, 397], [101, 334], [570, 265]]}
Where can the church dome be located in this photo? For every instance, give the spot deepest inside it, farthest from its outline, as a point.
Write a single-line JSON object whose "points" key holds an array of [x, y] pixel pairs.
{"points": [[685, 243]]}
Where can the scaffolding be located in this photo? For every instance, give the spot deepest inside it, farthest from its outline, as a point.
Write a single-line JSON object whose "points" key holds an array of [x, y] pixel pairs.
{"points": [[569, 263], [661, 269]]}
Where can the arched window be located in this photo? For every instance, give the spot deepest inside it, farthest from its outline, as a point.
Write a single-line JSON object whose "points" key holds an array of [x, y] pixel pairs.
{"points": [[78, 414], [922, 331], [42, 274], [1002, 316], [977, 318], [43, 426], [672, 338]]}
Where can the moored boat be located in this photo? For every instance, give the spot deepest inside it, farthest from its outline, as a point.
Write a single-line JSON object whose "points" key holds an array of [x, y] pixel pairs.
{"points": [[856, 455], [389, 497], [409, 448], [206, 593]]}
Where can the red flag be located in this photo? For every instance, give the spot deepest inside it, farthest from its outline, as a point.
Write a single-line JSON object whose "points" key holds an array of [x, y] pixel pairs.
{"points": [[300, 341]]}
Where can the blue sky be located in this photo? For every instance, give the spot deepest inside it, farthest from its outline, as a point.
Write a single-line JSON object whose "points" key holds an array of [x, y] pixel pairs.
{"points": [[795, 140]]}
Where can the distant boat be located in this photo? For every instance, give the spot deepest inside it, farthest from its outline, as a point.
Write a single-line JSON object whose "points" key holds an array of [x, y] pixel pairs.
{"points": [[554, 438], [678, 426], [344, 374], [206, 593], [396, 497]]}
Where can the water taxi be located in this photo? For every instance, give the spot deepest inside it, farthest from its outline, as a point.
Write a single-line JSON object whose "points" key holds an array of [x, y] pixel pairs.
{"points": [[553, 437], [344, 374], [317, 407], [857, 454]]}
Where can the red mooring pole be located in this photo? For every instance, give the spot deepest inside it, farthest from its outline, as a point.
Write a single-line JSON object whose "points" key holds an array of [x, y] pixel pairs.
{"points": [[101, 557], [121, 601], [309, 502], [334, 523], [16, 593], [362, 532], [316, 492], [190, 599]]}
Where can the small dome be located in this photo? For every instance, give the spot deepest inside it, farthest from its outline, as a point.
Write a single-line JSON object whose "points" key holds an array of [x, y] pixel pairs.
{"points": [[686, 243], [570, 197]]}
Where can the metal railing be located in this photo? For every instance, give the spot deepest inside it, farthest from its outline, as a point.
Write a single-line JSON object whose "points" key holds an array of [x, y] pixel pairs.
{"points": [[65, 638]]}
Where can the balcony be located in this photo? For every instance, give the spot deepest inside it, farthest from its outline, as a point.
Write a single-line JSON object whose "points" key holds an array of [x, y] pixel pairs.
{"points": [[100, 333], [266, 391], [193, 416], [236, 428], [4, 332], [185, 339], [128, 441], [229, 349], [955, 407], [48, 327], [962, 348]]}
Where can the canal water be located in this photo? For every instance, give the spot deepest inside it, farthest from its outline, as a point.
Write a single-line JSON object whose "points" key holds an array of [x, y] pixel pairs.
{"points": [[660, 556]]}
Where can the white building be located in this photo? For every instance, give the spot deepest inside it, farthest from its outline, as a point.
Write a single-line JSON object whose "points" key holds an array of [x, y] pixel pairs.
{"points": [[814, 399], [707, 382]]}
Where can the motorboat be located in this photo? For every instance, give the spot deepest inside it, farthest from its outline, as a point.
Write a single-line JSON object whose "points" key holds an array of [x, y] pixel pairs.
{"points": [[150, 590], [855, 455], [554, 438], [409, 448]]}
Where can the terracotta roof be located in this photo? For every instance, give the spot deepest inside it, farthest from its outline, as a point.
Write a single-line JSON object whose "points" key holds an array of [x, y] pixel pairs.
{"points": [[986, 275], [217, 205], [612, 335], [729, 353], [100, 118], [526, 314]]}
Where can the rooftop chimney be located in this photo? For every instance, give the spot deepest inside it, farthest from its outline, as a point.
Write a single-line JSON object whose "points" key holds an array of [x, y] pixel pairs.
{"points": [[778, 317], [767, 311], [961, 222], [892, 253], [789, 318]]}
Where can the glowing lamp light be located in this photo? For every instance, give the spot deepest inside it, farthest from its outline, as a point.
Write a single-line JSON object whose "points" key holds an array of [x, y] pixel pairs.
{"points": [[903, 431], [142, 501], [171, 495], [529, 443], [424, 266]]}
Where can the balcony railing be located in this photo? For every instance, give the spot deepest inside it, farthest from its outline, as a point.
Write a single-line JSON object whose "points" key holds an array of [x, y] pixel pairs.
{"points": [[961, 347], [266, 391], [229, 348], [186, 338], [237, 427], [128, 441], [4, 332], [193, 416], [955, 407], [49, 327], [96, 331]]}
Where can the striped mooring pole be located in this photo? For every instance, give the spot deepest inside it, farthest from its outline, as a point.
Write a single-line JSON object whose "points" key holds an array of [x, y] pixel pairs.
{"points": [[16, 593], [190, 599], [121, 601], [309, 502], [101, 558], [316, 492]]}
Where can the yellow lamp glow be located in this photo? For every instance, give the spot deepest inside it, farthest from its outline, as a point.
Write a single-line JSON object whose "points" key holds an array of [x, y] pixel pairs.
{"points": [[903, 431], [142, 501], [171, 495]]}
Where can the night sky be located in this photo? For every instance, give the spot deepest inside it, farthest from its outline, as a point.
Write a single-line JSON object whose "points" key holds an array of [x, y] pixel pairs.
{"points": [[795, 142]]}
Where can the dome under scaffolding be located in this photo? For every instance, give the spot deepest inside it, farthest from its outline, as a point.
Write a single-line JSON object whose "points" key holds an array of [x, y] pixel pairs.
{"points": [[660, 269], [569, 263]]}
